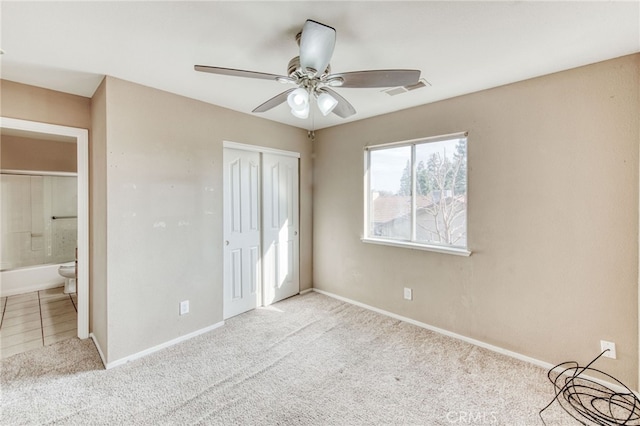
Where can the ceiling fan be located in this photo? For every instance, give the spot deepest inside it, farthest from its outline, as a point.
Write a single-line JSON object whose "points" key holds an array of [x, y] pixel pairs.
{"points": [[311, 74]]}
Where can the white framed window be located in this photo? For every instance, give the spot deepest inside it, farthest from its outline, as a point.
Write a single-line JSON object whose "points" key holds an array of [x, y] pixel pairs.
{"points": [[416, 194]]}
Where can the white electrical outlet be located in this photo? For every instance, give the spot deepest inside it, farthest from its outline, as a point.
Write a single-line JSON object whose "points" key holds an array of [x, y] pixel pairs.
{"points": [[184, 307], [611, 353], [408, 294]]}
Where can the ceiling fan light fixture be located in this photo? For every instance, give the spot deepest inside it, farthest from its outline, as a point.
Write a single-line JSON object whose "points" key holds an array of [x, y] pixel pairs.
{"points": [[302, 113], [326, 103], [298, 100], [310, 72]]}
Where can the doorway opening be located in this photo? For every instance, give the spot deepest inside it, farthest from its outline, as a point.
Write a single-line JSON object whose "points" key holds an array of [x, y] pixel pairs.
{"points": [[81, 138]]}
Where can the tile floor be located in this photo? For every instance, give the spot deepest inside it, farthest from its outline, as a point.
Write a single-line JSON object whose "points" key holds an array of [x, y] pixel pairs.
{"points": [[32, 320]]}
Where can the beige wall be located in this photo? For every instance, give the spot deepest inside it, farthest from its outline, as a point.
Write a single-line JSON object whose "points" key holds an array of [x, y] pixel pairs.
{"points": [[19, 153], [155, 159], [163, 177], [43, 105], [553, 221], [553, 218], [98, 294], [47, 106]]}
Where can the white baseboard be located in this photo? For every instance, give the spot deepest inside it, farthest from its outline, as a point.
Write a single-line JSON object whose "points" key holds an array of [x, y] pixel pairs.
{"points": [[309, 290], [121, 361], [475, 342]]}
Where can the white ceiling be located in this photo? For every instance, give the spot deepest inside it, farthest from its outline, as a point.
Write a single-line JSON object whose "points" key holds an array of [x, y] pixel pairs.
{"points": [[460, 47]]}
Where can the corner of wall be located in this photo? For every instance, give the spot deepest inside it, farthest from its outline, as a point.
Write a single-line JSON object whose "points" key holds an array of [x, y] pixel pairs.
{"points": [[98, 323]]}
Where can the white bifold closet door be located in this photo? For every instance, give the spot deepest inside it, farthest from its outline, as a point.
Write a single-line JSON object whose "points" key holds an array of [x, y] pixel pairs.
{"points": [[280, 227], [261, 251], [242, 250]]}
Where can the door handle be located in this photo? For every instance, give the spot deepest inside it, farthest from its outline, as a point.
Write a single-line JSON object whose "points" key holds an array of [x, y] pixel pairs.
{"points": [[295, 232], [226, 243]]}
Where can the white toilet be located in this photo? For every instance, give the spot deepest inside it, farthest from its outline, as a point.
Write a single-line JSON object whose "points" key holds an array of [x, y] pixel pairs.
{"points": [[68, 271]]}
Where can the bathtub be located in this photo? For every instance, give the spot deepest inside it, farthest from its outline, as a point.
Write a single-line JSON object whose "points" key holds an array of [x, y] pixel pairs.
{"points": [[32, 278]]}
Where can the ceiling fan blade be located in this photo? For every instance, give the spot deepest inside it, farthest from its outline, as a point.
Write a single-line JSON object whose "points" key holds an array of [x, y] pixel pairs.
{"points": [[238, 73], [274, 102], [316, 46], [344, 109], [377, 78]]}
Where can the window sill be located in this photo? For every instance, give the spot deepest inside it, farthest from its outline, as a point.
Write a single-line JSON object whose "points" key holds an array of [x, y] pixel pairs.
{"points": [[426, 247]]}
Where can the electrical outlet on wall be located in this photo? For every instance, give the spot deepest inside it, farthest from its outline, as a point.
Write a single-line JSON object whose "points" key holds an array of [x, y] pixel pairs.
{"points": [[611, 353], [408, 294], [184, 307]]}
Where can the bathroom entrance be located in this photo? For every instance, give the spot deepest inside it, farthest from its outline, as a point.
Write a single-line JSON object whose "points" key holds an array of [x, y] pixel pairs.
{"points": [[261, 242], [61, 233]]}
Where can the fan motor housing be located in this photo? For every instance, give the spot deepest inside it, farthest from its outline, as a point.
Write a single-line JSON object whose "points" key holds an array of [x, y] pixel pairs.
{"points": [[294, 65]]}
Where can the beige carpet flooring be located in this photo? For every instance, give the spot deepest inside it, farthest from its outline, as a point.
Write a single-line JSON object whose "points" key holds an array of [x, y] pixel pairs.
{"points": [[309, 360]]}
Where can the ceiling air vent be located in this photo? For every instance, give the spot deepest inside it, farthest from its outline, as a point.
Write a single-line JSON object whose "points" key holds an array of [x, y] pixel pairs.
{"points": [[403, 89]]}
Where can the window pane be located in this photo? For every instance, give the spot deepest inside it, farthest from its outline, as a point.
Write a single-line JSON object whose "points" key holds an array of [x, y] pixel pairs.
{"points": [[441, 192], [390, 193]]}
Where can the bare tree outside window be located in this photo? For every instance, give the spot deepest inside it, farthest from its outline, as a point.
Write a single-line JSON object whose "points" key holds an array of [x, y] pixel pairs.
{"points": [[436, 213]]}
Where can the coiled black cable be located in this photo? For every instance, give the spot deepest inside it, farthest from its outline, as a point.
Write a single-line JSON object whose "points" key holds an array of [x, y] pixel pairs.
{"points": [[587, 400]]}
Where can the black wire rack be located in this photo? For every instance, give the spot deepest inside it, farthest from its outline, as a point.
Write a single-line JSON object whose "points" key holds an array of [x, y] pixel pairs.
{"points": [[591, 402]]}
